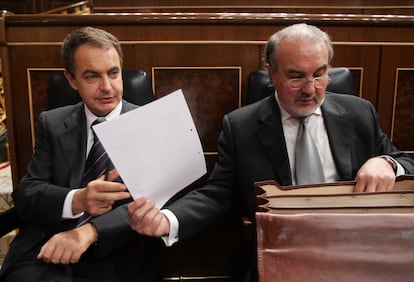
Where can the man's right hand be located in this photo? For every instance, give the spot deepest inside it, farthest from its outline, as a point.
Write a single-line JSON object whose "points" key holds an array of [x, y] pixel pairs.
{"points": [[145, 218], [98, 197]]}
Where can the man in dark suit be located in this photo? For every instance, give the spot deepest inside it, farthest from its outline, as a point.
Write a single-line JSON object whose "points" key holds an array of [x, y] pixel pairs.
{"points": [[51, 199], [258, 141]]}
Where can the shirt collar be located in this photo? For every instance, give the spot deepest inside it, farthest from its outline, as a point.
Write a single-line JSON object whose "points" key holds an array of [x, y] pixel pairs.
{"points": [[90, 117]]}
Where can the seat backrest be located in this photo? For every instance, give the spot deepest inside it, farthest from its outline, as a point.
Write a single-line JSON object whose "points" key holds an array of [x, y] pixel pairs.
{"points": [[137, 89], [259, 84]]}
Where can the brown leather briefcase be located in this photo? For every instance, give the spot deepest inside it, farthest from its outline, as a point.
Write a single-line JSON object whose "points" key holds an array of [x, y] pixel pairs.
{"points": [[334, 238]]}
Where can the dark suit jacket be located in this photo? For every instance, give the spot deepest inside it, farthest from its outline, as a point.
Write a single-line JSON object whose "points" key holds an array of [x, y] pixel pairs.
{"points": [[56, 167], [252, 148]]}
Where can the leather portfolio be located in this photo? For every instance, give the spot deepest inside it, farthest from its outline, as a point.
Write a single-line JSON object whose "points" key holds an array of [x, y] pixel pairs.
{"points": [[327, 233]]}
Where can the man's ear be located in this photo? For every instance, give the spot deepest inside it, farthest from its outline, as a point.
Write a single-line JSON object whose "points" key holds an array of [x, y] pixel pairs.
{"points": [[272, 71], [70, 79], [269, 68]]}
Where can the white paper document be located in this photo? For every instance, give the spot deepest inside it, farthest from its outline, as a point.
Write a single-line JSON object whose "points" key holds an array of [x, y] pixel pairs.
{"points": [[155, 148]]}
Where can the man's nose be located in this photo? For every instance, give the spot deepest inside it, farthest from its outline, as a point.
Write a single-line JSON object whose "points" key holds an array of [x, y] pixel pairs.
{"points": [[105, 83]]}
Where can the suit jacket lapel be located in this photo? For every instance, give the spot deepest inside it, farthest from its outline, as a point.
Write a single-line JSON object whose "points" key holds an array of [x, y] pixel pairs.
{"points": [[271, 137], [73, 144], [340, 133], [126, 106]]}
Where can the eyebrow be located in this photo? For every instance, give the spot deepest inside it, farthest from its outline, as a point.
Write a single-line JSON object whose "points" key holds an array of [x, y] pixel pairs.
{"points": [[292, 71], [117, 68], [88, 71]]}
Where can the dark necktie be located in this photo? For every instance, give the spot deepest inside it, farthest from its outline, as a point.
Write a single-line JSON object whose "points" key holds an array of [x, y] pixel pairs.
{"points": [[97, 160], [95, 166], [308, 164]]}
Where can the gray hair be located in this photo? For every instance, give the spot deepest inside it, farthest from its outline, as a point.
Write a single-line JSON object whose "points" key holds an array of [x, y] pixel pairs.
{"points": [[300, 31], [90, 36]]}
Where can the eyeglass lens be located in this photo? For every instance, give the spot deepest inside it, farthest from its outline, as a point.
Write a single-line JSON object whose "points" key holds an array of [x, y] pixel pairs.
{"points": [[318, 82]]}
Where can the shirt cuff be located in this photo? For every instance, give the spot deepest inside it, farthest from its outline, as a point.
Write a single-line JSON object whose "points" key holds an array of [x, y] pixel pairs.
{"points": [[172, 237], [67, 206], [400, 169]]}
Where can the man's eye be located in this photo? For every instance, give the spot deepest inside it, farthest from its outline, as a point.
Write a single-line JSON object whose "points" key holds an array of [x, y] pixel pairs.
{"points": [[114, 74], [91, 77]]}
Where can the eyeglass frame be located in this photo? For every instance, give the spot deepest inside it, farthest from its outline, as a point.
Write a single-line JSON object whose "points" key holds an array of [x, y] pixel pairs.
{"points": [[304, 81]]}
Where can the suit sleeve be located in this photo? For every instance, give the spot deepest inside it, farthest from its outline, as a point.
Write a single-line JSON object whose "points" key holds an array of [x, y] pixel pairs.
{"points": [[202, 206], [386, 147], [38, 200]]}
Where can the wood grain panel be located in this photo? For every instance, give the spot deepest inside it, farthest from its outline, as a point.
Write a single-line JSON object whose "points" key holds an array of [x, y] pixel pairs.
{"points": [[392, 58], [229, 3], [403, 118], [363, 58], [210, 94], [335, 6], [37, 90]]}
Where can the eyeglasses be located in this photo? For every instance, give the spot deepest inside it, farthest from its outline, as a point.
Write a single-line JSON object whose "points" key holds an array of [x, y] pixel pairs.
{"points": [[318, 82]]}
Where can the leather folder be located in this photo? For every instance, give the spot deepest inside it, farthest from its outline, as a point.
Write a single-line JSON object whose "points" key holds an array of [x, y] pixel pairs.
{"points": [[327, 233]]}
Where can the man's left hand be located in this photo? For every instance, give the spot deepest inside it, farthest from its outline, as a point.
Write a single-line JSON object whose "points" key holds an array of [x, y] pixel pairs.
{"points": [[375, 175], [67, 247]]}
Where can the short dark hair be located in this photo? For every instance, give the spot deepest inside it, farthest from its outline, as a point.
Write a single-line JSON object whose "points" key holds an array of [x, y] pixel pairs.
{"points": [[90, 36]]}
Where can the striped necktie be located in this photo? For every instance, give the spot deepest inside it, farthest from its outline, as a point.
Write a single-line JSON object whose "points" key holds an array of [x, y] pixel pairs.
{"points": [[96, 164], [97, 160]]}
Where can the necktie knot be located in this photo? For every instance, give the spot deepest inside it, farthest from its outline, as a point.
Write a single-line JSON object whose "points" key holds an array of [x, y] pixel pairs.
{"points": [[95, 122], [98, 120], [304, 120]]}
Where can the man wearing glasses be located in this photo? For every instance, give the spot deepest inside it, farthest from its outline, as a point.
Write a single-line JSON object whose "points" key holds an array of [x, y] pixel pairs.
{"points": [[259, 142]]}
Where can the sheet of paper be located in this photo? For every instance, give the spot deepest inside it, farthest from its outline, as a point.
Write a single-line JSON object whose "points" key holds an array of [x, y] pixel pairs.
{"points": [[155, 148]]}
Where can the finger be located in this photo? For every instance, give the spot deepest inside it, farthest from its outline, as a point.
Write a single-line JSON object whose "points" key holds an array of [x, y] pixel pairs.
{"points": [[113, 174], [385, 185], [154, 224], [136, 204], [144, 217], [56, 256], [112, 196], [151, 216], [136, 215], [372, 187], [390, 187], [45, 253], [75, 258], [66, 257], [359, 187], [107, 186]]}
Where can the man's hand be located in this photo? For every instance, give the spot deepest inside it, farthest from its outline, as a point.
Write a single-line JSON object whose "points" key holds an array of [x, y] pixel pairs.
{"points": [[98, 196], [147, 219], [375, 175], [67, 247]]}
